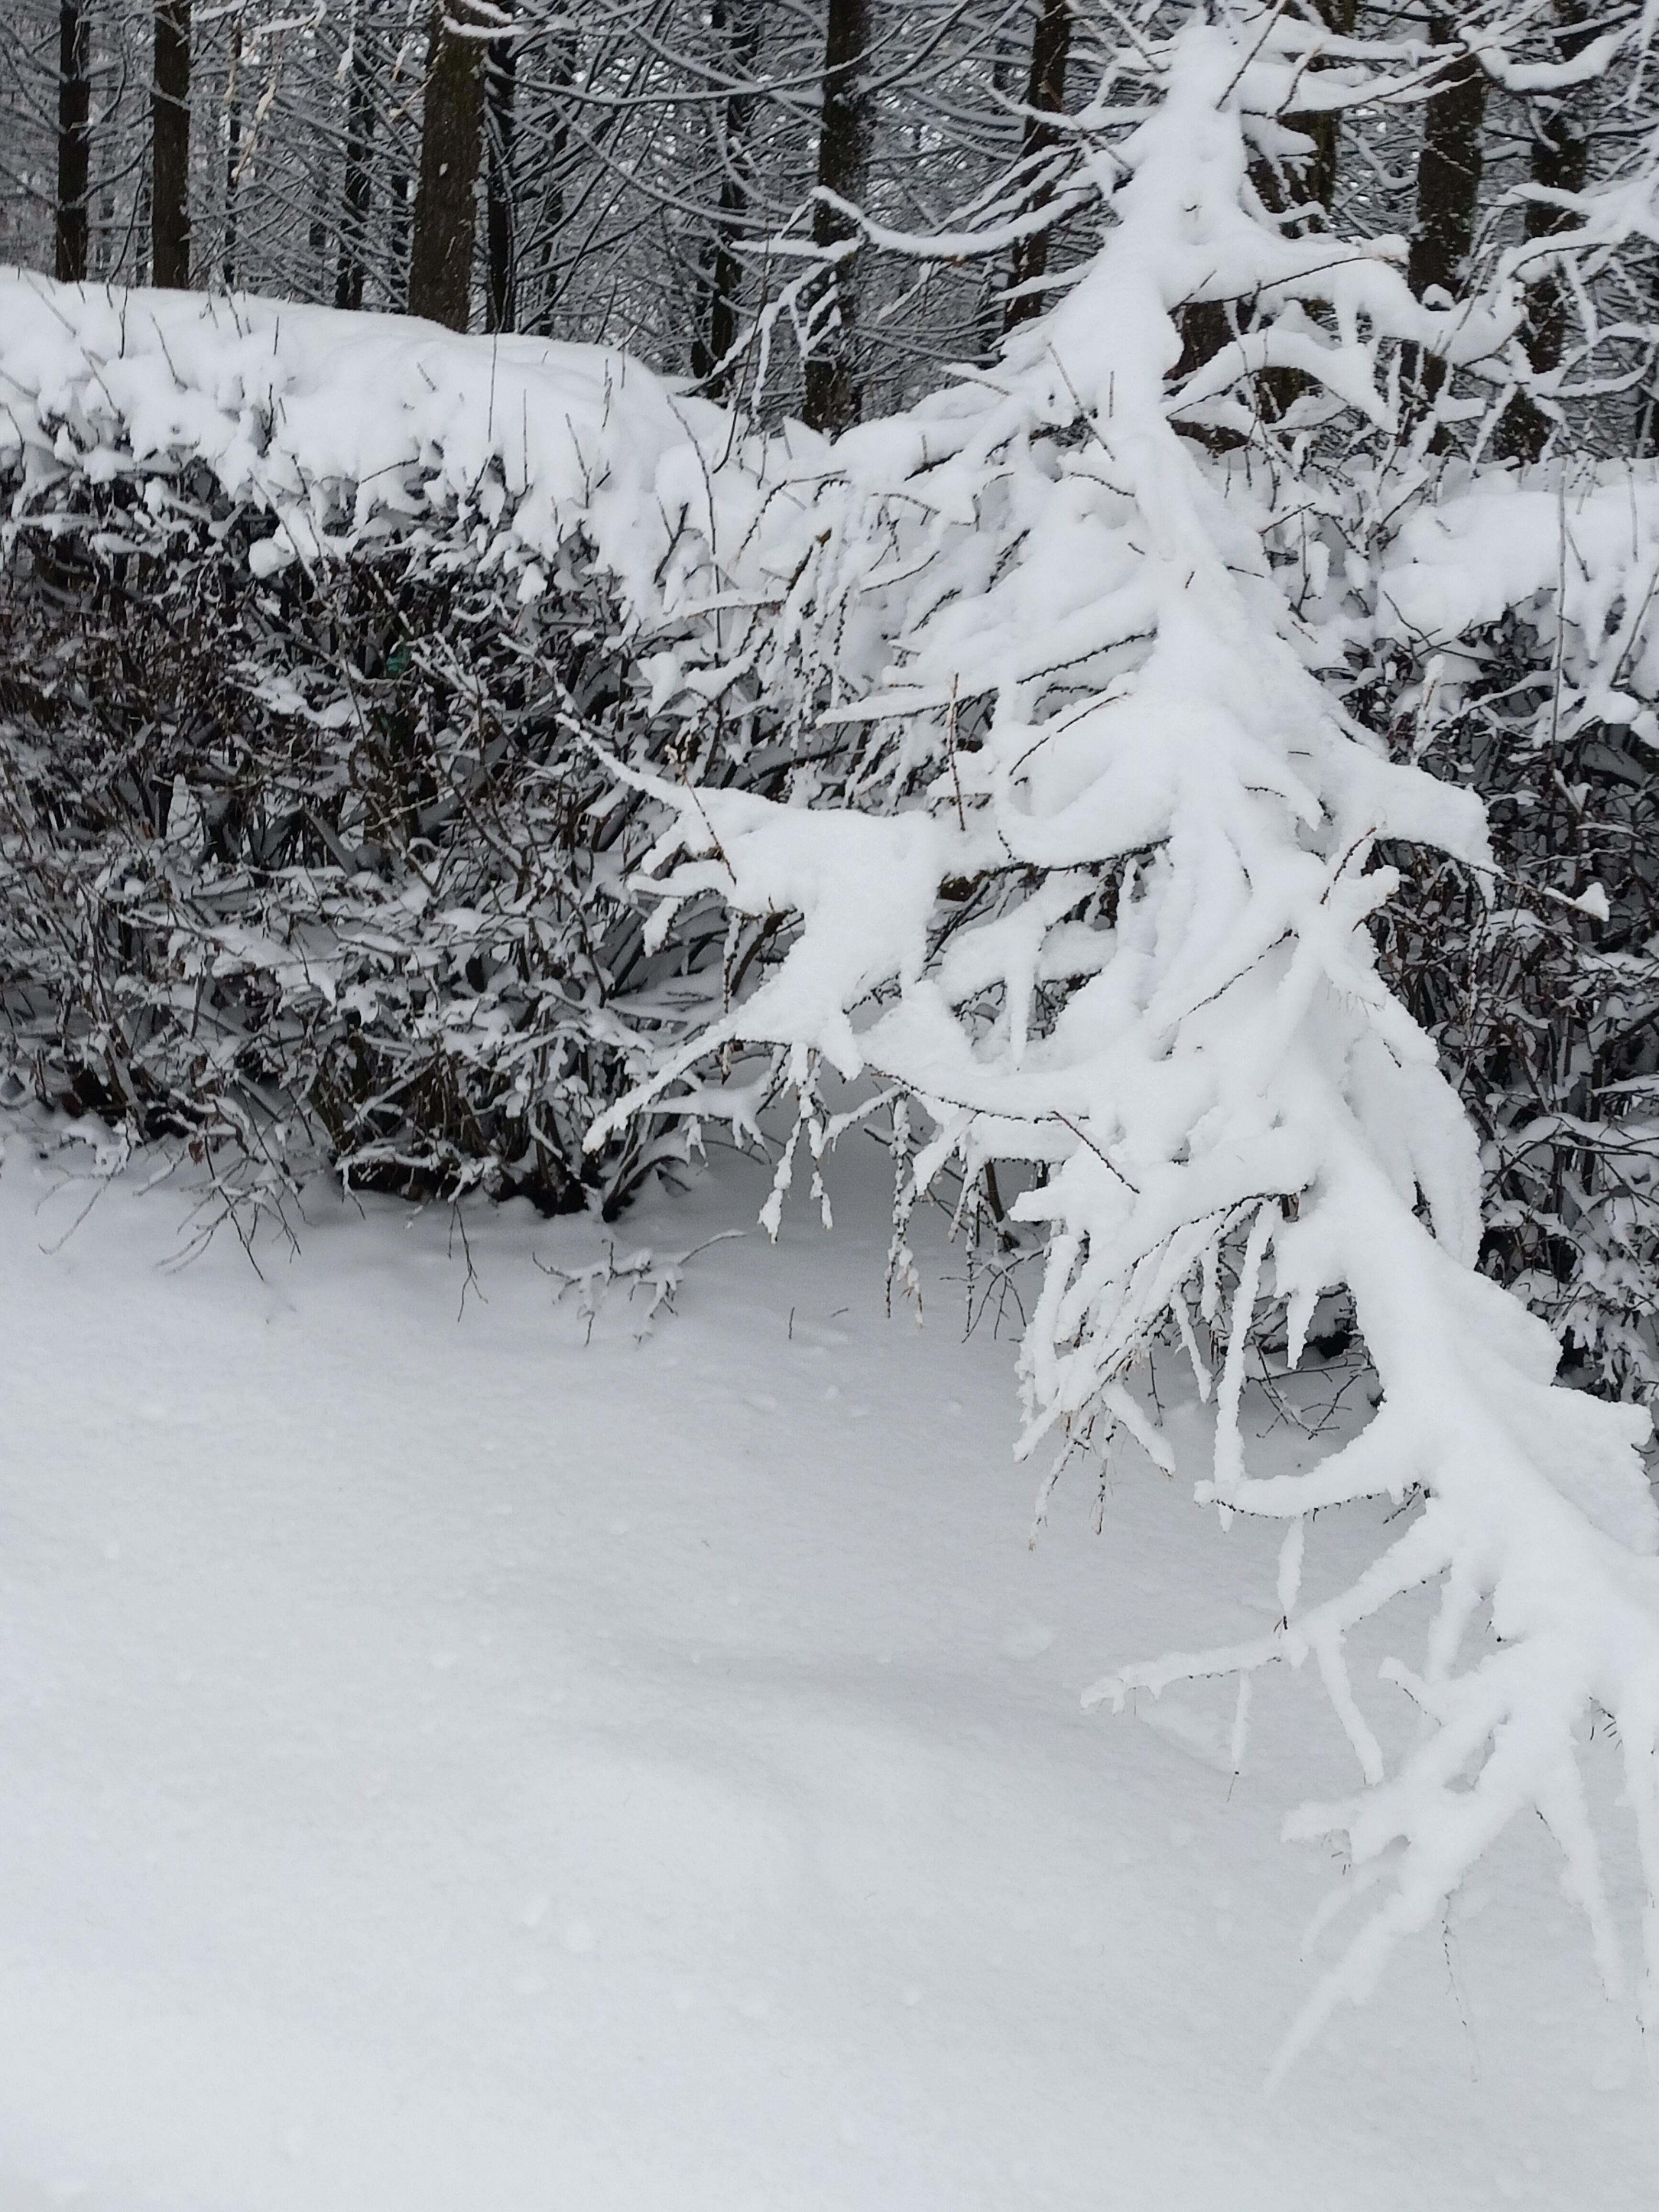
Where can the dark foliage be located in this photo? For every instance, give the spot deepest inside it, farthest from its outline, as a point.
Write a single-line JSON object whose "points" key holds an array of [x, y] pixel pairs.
{"points": [[318, 865]]}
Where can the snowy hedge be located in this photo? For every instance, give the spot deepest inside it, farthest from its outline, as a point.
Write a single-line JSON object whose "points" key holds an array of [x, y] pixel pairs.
{"points": [[308, 854]]}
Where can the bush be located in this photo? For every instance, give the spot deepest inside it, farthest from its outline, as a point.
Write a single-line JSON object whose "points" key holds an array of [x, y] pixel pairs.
{"points": [[315, 863], [1539, 983]]}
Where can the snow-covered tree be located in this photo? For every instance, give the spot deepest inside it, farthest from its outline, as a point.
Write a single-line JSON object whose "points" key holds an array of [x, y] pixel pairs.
{"points": [[1090, 887]]}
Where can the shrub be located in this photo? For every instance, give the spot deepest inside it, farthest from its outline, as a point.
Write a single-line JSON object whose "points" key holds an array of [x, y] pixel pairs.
{"points": [[314, 863]]}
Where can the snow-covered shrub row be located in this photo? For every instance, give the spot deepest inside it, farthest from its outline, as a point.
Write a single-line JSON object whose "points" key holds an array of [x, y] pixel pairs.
{"points": [[300, 867], [1516, 650], [1094, 885], [307, 854], [1497, 626]]}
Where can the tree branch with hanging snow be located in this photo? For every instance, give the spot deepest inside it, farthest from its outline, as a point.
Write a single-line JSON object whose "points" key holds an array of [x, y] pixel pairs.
{"points": [[1095, 895]]}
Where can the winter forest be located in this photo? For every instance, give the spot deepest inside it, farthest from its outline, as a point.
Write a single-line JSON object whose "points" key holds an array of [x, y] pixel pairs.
{"points": [[800, 802]]}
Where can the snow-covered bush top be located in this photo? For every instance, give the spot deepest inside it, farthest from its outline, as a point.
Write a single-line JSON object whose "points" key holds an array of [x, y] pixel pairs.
{"points": [[1574, 550], [301, 854], [333, 421]]}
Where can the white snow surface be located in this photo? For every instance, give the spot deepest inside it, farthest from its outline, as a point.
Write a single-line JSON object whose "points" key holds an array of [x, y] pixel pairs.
{"points": [[446, 1763]]}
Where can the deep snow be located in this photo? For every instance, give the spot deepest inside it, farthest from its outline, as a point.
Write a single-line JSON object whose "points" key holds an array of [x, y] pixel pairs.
{"points": [[446, 1765]]}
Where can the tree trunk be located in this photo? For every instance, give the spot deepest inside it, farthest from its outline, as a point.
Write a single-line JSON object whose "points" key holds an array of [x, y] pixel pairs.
{"points": [[1447, 191], [1324, 126], [723, 286], [232, 157], [554, 144], [501, 300], [1209, 325], [169, 206], [355, 195], [398, 236], [138, 232], [74, 139], [1560, 163], [1045, 95], [845, 131], [1644, 443], [440, 259]]}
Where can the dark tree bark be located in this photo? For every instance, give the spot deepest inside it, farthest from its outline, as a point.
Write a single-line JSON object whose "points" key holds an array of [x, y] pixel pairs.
{"points": [[1045, 95], [169, 206], [722, 286], [138, 231], [1323, 126], [1644, 429], [1288, 188], [554, 144], [74, 139], [1209, 325], [501, 292], [440, 258], [355, 194], [397, 233], [232, 157], [845, 130], [1448, 193], [1559, 162]]}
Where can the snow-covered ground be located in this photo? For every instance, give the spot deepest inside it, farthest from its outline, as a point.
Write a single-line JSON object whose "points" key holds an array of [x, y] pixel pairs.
{"points": [[443, 1765]]}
